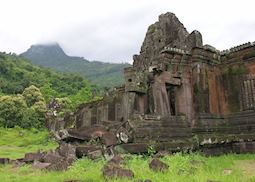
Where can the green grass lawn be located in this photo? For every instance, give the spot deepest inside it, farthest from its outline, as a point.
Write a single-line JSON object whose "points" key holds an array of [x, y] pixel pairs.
{"points": [[15, 142], [182, 167]]}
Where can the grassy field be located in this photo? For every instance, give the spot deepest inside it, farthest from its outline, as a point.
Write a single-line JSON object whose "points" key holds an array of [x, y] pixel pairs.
{"points": [[15, 142], [183, 167]]}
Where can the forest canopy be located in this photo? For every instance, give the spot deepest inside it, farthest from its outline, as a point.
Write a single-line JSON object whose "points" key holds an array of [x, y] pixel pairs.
{"points": [[25, 90]]}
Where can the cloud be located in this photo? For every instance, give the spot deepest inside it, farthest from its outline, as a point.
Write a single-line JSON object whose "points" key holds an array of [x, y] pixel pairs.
{"points": [[113, 30]]}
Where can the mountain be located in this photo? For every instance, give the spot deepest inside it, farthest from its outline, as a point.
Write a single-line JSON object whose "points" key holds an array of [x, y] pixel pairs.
{"points": [[99, 73]]}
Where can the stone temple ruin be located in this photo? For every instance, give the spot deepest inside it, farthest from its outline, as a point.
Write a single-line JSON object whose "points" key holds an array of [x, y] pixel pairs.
{"points": [[179, 95]]}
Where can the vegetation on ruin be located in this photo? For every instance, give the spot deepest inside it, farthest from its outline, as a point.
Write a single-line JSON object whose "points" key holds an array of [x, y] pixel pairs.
{"points": [[229, 80], [15, 142]]}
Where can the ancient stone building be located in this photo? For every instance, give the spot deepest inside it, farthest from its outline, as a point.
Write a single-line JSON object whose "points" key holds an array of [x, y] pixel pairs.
{"points": [[181, 94]]}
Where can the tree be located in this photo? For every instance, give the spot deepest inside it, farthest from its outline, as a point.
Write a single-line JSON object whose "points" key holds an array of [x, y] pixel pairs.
{"points": [[48, 92], [35, 116], [26, 110], [13, 110], [32, 94], [36, 108], [84, 95]]}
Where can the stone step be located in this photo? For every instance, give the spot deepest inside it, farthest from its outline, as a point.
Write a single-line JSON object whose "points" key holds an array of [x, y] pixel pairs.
{"points": [[236, 129], [160, 123]]}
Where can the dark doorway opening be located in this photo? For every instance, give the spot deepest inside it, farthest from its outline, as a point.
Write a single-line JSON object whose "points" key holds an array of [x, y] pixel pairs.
{"points": [[171, 97]]}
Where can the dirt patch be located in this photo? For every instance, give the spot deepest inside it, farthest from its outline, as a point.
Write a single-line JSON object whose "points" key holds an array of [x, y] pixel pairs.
{"points": [[247, 167]]}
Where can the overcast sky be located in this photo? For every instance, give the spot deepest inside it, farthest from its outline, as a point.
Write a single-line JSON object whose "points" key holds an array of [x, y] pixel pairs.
{"points": [[113, 30]]}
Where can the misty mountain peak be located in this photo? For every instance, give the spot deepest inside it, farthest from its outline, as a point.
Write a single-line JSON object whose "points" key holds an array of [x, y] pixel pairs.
{"points": [[52, 56], [50, 49]]}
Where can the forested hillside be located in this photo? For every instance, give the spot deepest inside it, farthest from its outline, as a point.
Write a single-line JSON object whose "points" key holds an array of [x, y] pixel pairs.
{"points": [[17, 73], [99, 73], [25, 90]]}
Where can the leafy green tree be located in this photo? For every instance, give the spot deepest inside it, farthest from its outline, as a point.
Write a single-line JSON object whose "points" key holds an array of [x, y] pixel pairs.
{"points": [[32, 94], [13, 110], [35, 117], [36, 107], [65, 105], [84, 95], [26, 110], [48, 92]]}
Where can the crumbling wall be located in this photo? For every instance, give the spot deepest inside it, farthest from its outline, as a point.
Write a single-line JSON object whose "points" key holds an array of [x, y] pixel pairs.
{"points": [[168, 31], [181, 93]]}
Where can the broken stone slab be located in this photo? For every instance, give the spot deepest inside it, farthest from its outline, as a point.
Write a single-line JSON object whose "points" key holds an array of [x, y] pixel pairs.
{"points": [[66, 150], [117, 159], [161, 154], [58, 160], [87, 133], [17, 163], [53, 161], [85, 150], [4, 160], [109, 139], [124, 134], [52, 158], [115, 171], [157, 165], [95, 154], [92, 133], [123, 137], [31, 157], [61, 165], [40, 165]]}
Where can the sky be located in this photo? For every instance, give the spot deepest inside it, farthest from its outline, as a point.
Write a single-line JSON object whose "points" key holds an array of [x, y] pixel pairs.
{"points": [[113, 30]]}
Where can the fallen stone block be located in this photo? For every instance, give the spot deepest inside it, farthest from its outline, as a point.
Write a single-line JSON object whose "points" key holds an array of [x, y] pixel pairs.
{"points": [[61, 165], [66, 150], [4, 160], [87, 133], [115, 171], [117, 159], [52, 158], [161, 154], [109, 139], [31, 157], [85, 150], [95, 154], [40, 165], [17, 163], [157, 165]]}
